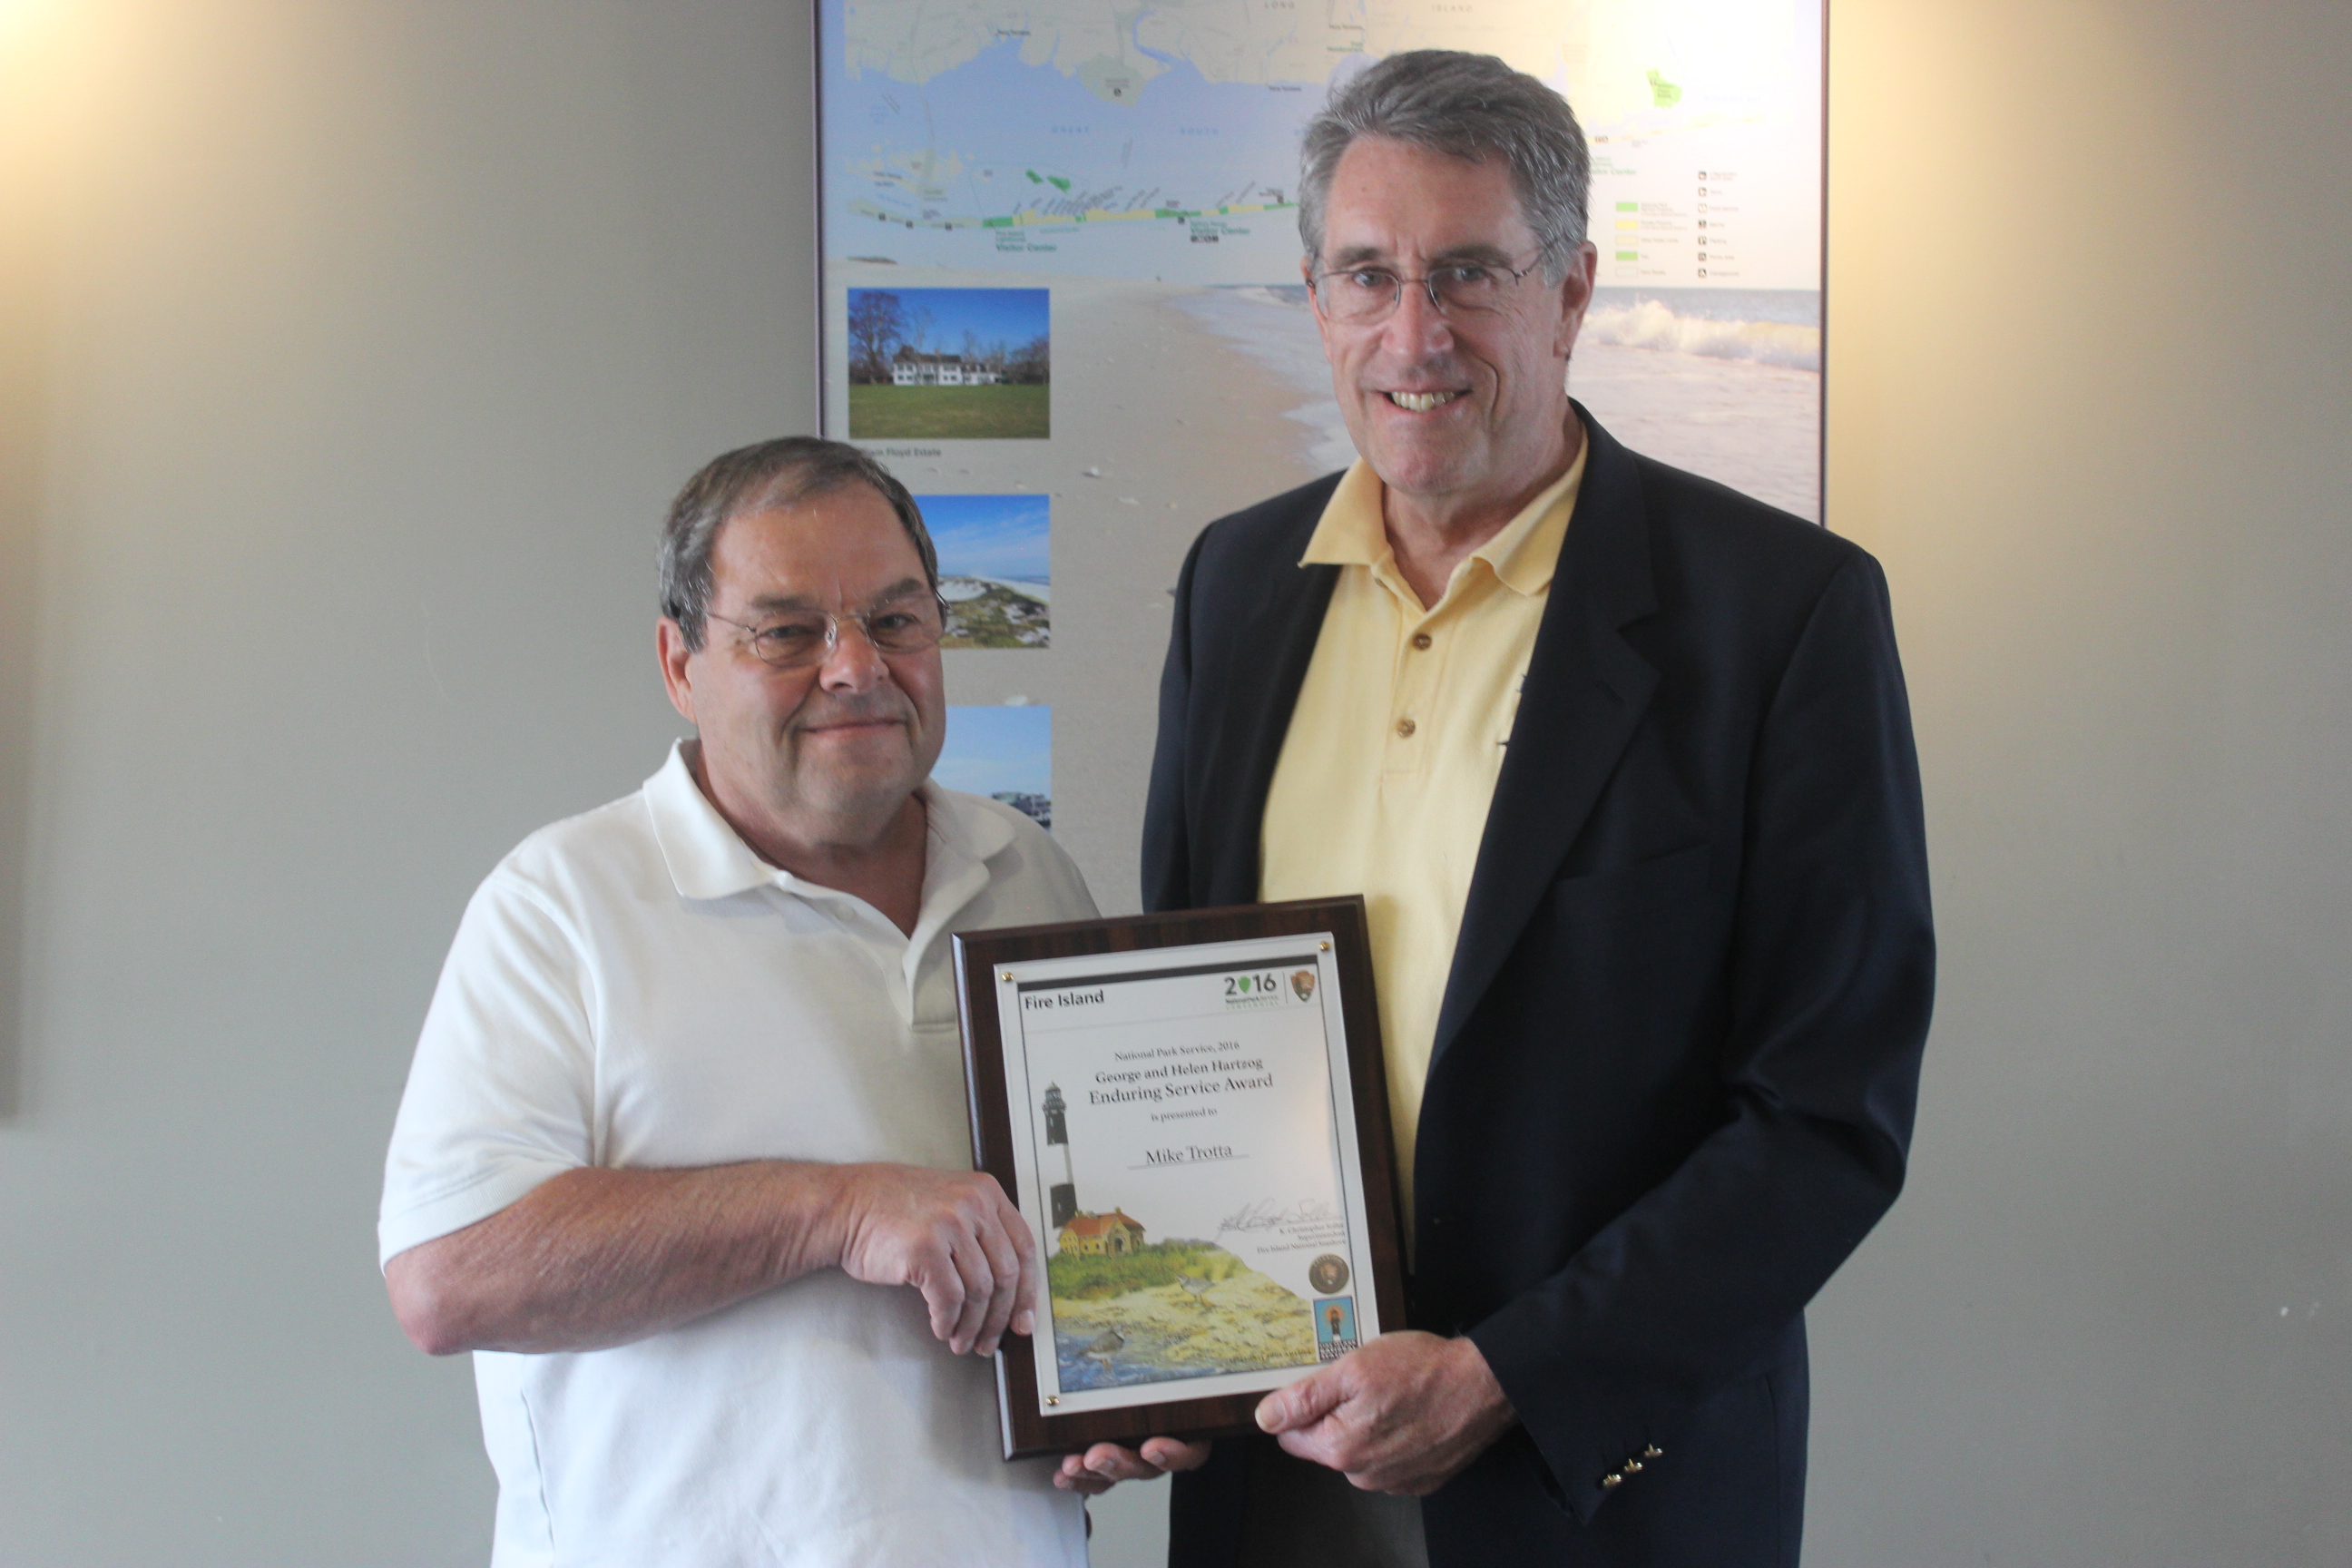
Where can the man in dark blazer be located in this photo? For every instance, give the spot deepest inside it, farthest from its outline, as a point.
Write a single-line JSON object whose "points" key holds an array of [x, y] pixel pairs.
{"points": [[1669, 1086]]}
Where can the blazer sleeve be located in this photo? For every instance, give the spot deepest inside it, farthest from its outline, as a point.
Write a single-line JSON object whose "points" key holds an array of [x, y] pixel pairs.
{"points": [[1831, 977]]}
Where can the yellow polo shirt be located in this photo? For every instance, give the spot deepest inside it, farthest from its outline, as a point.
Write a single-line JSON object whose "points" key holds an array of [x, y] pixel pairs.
{"points": [[1393, 752]]}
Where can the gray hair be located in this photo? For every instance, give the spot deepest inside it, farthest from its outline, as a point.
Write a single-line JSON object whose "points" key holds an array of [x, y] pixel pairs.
{"points": [[780, 473], [1465, 106]]}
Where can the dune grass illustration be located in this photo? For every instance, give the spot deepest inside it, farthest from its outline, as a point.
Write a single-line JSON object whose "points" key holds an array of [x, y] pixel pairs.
{"points": [[1173, 1309]]}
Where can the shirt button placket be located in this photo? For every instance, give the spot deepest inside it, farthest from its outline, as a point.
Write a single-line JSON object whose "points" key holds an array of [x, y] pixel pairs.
{"points": [[1413, 689]]}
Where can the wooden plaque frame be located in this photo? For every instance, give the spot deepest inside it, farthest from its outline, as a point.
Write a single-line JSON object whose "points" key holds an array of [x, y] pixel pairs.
{"points": [[1027, 1430]]}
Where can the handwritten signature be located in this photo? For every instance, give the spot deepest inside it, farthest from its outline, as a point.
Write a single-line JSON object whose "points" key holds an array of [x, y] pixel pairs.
{"points": [[1266, 1214]]}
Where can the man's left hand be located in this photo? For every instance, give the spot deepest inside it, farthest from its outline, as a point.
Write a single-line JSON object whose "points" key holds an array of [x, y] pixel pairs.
{"points": [[1402, 1415], [1106, 1465]]}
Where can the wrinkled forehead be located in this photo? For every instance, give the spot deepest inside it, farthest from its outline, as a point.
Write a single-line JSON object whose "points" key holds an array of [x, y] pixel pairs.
{"points": [[843, 548], [1392, 201]]}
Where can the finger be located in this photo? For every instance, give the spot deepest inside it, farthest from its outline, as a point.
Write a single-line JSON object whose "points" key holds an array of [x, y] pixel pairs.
{"points": [[1004, 1281], [1072, 1475], [940, 1278], [1302, 1404], [1316, 1445], [1026, 1272], [1114, 1463], [941, 1284], [978, 1287], [1396, 1480], [1173, 1454]]}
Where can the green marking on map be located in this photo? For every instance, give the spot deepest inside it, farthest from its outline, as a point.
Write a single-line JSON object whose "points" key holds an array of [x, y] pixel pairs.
{"points": [[1629, 206], [1663, 93], [1033, 178], [1065, 223]]}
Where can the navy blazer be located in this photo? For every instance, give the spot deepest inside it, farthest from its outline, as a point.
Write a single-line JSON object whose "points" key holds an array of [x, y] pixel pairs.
{"points": [[1674, 1073]]}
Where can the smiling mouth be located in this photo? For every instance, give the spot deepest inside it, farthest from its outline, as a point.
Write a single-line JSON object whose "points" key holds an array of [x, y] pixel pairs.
{"points": [[1422, 402], [847, 726], [852, 720]]}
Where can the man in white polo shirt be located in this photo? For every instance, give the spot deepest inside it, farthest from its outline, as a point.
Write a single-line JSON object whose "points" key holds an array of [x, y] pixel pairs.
{"points": [[683, 1157]]}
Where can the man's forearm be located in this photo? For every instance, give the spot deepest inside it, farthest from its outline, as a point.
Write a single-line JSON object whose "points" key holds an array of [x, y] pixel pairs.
{"points": [[596, 1258]]}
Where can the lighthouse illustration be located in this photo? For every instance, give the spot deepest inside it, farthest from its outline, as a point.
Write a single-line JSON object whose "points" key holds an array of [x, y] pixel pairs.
{"points": [[1057, 1130]]}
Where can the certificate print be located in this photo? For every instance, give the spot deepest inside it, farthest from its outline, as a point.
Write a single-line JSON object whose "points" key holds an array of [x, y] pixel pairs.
{"points": [[1188, 1166]]}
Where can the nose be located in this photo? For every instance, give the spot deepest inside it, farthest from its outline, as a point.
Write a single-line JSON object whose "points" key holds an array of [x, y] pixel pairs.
{"points": [[1417, 327], [1417, 332], [852, 662]]}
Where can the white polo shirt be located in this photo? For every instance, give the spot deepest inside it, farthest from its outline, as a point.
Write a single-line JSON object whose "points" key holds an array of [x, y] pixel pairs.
{"points": [[635, 987]]}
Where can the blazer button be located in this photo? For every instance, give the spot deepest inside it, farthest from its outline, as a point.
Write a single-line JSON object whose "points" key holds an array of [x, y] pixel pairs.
{"points": [[1612, 1481], [1654, 1452], [1632, 1467]]}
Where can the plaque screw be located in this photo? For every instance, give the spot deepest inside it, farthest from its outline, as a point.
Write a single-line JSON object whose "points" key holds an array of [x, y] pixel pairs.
{"points": [[1324, 946], [1006, 976], [1053, 1399]]}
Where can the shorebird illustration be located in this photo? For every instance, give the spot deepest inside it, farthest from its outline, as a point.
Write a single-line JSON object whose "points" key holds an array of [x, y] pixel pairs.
{"points": [[1104, 1346], [1198, 1287]]}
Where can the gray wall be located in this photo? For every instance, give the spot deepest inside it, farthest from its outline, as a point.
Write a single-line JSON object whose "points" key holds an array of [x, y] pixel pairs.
{"points": [[346, 354], [2090, 388]]}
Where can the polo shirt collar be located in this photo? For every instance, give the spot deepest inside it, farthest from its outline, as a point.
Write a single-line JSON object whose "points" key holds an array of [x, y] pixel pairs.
{"points": [[708, 859], [1522, 555]]}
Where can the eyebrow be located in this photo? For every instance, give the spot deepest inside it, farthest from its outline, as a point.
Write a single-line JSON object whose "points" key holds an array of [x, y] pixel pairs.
{"points": [[905, 587], [1476, 254]]}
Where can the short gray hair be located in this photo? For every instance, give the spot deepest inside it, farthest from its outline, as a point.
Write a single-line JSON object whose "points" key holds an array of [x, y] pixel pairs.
{"points": [[780, 473], [1465, 106]]}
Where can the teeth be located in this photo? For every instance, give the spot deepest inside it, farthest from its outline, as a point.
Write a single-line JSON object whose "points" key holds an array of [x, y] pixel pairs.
{"points": [[1422, 402]]}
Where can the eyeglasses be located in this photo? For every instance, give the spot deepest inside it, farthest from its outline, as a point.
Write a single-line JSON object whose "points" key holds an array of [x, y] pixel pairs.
{"points": [[1361, 295], [799, 639]]}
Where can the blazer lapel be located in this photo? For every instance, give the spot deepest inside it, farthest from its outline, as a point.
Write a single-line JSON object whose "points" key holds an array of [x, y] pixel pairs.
{"points": [[1235, 769], [1586, 690]]}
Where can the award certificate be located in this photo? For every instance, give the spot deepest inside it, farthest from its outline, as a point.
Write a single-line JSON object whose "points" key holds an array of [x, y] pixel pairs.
{"points": [[1191, 1112]]}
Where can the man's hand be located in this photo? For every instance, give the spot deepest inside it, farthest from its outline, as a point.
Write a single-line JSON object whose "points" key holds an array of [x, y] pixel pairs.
{"points": [[950, 1235], [1106, 1465], [597, 1257], [1402, 1415]]}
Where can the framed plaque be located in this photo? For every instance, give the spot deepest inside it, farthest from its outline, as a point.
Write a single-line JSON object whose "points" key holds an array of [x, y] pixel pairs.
{"points": [[1191, 1112]]}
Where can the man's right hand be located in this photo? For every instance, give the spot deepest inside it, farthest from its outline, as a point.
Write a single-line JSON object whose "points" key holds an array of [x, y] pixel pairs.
{"points": [[951, 1235], [595, 1258]]}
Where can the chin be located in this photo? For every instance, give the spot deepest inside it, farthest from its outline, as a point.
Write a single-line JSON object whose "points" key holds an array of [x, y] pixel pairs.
{"points": [[1418, 471], [864, 795]]}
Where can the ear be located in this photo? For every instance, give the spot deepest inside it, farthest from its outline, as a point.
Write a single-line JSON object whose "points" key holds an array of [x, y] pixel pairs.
{"points": [[1576, 295], [1322, 326], [669, 643]]}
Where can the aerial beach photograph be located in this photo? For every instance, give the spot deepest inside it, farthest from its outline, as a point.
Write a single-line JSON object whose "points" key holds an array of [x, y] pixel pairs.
{"points": [[993, 568], [1004, 751]]}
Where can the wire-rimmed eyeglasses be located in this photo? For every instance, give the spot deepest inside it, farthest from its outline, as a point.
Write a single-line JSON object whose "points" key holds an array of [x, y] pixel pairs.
{"points": [[795, 639], [1361, 295]]}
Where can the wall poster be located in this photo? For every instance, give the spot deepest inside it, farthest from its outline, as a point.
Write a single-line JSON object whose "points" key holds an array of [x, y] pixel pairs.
{"points": [[1060, 260]]}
